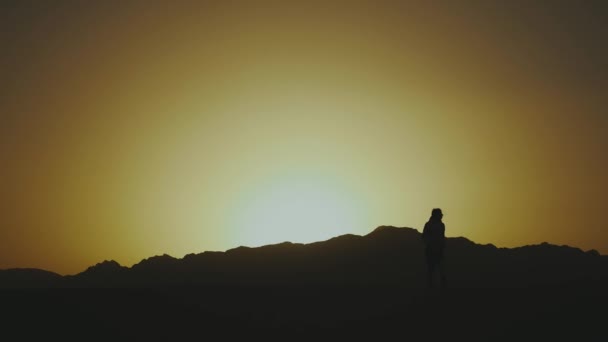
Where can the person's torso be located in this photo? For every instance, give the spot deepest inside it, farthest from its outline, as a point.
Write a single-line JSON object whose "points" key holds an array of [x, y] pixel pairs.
{"points": [[435, 233]]}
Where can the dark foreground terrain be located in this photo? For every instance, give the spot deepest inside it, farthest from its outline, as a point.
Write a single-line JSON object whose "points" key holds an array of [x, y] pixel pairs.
{"points": [[170, 315], [370, 287]]}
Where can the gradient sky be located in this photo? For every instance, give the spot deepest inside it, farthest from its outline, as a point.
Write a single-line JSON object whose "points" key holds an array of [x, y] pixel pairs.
{"points": [[135, 128]]}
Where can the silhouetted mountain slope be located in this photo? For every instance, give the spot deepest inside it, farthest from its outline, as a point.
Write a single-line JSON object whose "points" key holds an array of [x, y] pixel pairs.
{"points": [[103, 274], [368, 286], [29, 278], [388, 257]]}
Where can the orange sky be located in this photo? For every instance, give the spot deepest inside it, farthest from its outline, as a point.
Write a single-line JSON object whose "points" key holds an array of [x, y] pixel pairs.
{"points": [[129, 130]]}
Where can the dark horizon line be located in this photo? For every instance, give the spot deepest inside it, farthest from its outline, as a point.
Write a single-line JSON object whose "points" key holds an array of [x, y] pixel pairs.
{"points": [[544, 243]]}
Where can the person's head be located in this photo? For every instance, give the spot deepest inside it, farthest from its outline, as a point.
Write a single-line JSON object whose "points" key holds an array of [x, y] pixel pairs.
{"points": [[436, 214]]}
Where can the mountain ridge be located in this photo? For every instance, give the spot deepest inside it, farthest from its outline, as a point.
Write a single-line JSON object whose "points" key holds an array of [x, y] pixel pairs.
{"points": [[372, 285], [337, 260]]}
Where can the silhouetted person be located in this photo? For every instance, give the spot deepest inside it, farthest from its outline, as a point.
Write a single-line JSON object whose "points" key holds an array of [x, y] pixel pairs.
{"points": [[433, 236]]}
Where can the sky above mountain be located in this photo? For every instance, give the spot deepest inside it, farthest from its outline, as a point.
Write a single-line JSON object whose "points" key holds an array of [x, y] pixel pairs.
{"points": [[129, 129]]}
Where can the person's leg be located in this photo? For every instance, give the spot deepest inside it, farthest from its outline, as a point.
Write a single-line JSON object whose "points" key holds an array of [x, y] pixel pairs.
{"points": [[430, 267], [430, 272], [441, 268]]}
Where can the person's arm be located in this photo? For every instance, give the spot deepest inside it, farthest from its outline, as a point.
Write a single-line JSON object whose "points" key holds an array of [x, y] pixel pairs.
{"points": [[425, 232]]}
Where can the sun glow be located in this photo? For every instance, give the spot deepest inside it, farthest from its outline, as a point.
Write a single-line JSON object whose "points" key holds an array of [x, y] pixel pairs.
{"points": [[139, 129], [296, 210]]}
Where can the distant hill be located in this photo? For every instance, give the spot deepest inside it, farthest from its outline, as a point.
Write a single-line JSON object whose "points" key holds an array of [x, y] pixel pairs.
{"points": [[29, 278], [388, 257], [356, 287]]}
